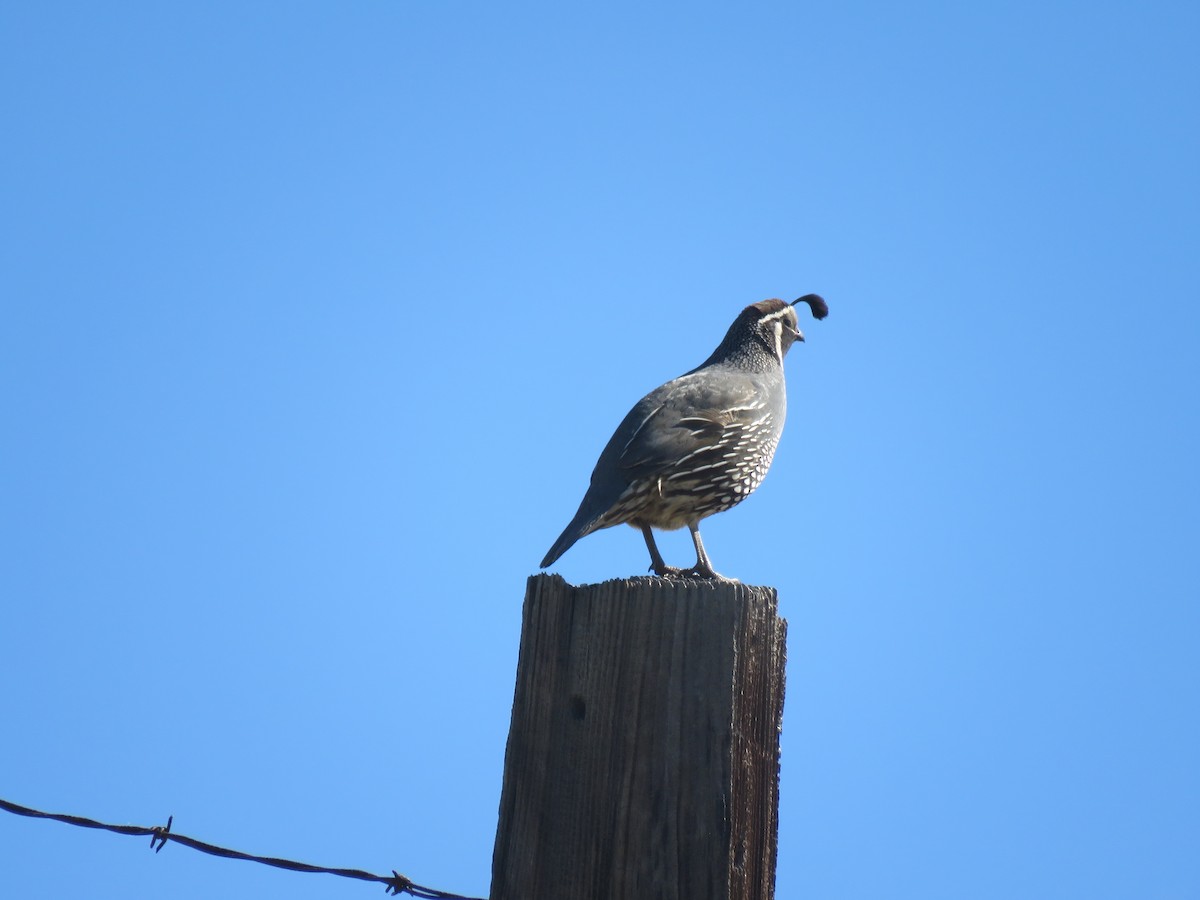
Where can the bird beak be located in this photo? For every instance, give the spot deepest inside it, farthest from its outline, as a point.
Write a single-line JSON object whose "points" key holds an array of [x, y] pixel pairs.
{"points": [[800, 335]]}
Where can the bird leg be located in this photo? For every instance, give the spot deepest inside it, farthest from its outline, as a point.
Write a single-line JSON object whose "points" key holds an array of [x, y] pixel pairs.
{"points": [[657, 566], [703, 567]]}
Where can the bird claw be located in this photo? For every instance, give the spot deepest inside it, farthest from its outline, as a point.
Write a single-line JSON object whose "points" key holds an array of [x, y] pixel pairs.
{"points": [[665, 571], [708, 575], [705, 573]]}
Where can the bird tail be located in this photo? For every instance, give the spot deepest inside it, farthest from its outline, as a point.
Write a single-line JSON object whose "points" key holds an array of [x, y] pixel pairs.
{"points": [[584, 523]]}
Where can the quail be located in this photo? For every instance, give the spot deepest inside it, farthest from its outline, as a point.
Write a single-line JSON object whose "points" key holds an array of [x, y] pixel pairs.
{"points": [[699, 444]]}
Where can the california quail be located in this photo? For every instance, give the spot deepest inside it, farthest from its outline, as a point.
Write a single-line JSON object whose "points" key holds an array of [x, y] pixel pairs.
{"points": [[699, 444]]}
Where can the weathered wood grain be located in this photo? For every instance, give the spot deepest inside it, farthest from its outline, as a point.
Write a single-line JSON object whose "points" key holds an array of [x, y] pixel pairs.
{"points": [[643, 756]]}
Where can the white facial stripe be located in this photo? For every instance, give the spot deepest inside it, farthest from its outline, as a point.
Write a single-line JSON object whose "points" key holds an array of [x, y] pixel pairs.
{"points": [[771, 317]]}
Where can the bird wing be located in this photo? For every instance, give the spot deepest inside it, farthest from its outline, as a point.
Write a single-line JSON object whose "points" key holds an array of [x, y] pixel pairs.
{"points": [[686, 419]]}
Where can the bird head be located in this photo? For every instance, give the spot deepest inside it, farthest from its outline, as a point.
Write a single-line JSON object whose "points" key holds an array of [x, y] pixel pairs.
{"points": [[763, 332], [775, 325]]}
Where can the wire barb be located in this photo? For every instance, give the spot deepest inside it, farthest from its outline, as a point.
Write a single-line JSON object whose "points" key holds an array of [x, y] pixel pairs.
{"points": [[397, 884], [394, 884], [160, 835]]}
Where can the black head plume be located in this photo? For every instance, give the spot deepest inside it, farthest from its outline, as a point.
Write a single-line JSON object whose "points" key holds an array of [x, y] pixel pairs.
{"points": [[820, 309]]}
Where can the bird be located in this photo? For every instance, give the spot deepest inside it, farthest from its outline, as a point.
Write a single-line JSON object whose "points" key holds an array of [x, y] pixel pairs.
{"points": [[699, 444]]}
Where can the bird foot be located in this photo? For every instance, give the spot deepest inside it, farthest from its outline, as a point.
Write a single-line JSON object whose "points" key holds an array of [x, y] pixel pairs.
{"points": [[664, 571], [707, 573], [703, 569]]}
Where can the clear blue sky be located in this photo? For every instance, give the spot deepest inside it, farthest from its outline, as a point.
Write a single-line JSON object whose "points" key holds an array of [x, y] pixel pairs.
{"points": [[317, 315]]}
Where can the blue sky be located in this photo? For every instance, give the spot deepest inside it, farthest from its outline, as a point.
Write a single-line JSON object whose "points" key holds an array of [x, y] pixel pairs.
{"points": [[316, 317]]}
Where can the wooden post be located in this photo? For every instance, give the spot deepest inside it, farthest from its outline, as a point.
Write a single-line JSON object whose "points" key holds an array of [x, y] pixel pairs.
{"points": [[643, 756]]}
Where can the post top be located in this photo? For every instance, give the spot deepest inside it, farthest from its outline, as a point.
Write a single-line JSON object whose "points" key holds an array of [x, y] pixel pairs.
{"points": [[653, 585]]}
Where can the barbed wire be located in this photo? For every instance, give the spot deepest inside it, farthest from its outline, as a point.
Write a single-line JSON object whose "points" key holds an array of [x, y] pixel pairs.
{"points": [[159, 835]]}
